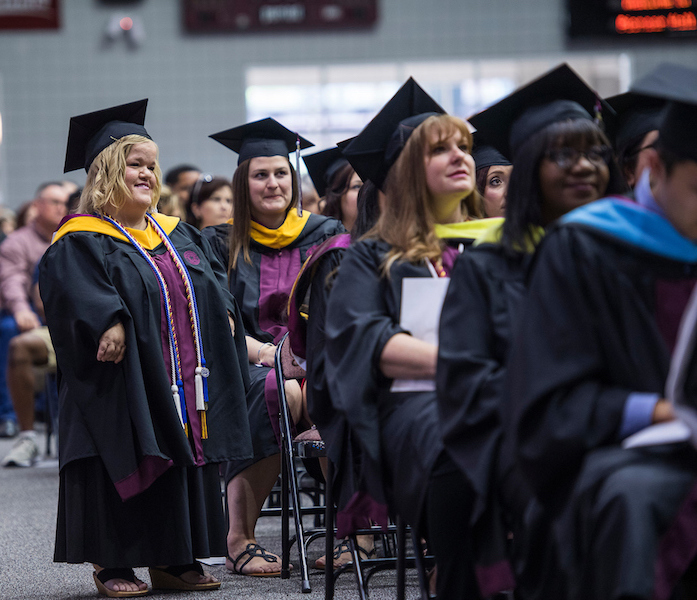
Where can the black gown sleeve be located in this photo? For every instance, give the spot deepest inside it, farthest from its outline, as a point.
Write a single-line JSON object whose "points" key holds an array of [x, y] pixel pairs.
{"points": [[358, 326]]}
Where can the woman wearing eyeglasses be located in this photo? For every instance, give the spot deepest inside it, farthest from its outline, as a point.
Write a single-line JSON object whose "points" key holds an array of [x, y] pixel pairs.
{"points": [[561, 160]]}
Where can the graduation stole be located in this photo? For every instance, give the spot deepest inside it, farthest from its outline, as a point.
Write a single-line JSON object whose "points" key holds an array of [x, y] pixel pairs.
{"points": [[201, 373]]}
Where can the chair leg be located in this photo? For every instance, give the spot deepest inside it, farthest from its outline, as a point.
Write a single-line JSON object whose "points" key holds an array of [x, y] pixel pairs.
{"points": [[329, 535], [401, 558], [360, 581], [420, 565], [285, 518], [299, 531]]}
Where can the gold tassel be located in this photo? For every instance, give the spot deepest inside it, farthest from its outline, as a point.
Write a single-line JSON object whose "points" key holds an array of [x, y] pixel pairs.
{"points": [[204, 425]]}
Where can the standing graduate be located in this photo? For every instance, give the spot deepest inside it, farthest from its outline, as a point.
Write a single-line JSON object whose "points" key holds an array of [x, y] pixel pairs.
{"points": [[420, 158], [588, 368], [151, 376], [263, 247], [562, 160], [493, 175]]}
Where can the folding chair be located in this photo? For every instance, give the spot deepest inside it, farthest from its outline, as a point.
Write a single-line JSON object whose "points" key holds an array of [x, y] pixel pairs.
{"points": [[285, 369]]}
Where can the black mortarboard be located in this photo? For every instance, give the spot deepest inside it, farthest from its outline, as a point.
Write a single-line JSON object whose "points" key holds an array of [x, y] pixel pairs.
{"points": [[375, 149], [266, 137], [558, 95], [322, 166], [90, 133], [677, 85], [485, 155], [637, 114]]}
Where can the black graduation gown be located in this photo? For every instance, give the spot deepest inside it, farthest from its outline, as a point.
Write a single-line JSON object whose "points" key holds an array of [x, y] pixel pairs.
{"points": [[118, 421], [266, 315], [598, 324], [398, 432], [481, 310]]}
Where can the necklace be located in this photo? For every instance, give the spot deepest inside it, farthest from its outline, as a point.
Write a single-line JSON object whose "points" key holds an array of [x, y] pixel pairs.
{"points": [[201, 373]]}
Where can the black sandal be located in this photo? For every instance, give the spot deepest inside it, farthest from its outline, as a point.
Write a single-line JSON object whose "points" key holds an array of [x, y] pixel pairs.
{"points": [[169, 578], [343, 547], [105, 575], [253, 551]]}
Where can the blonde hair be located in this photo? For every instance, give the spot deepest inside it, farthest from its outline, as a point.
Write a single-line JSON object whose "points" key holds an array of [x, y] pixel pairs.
{"points": [[407, 219], [105, 179]]}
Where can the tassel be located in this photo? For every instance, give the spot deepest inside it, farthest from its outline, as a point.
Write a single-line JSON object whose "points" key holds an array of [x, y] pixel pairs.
{"points": [[177, 403], [204, 425], [297, 175], [198, 383]]}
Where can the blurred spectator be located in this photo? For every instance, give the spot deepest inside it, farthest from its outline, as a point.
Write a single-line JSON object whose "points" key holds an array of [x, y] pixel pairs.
{"points": [[180, 179], [210, 202], [170, 204], [19, 255], [8, 222]]}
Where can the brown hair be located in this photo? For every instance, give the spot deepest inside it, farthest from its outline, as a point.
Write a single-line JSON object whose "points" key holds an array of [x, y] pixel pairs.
{"points": [[338, 186], [407, 220], [105, 179], [240, 232]]}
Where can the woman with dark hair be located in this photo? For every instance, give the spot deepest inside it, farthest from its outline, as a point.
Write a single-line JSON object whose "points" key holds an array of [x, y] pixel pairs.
{"points": [[210, 202], [561, 160], [264, 247], [337, 184], [493, 173], [420, 157]]}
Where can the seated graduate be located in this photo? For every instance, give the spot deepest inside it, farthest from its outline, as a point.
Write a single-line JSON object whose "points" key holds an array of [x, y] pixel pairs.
{"points": [[151, 379], [307, 316], [337, 184], [562, 160], [493, 174], [588, 368], [420, 158], [263, 247], [636, 128]]}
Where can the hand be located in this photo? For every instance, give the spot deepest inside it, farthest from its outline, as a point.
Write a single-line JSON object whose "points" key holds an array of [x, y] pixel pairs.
{"points": [[112, 344], [232, 324], [663, 411], [26, 320]]}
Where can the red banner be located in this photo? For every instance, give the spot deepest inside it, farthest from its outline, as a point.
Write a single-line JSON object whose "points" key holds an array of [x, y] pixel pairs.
{"points": [[29, 14]]}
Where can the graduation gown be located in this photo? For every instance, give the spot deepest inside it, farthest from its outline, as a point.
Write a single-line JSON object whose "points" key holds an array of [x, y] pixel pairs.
{"points": [[605, 299], [480, 312], [262, 289], [125, 459]]}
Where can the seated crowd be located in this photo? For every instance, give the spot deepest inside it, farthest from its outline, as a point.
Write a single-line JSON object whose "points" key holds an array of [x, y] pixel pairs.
{"points": [[497, 328]]}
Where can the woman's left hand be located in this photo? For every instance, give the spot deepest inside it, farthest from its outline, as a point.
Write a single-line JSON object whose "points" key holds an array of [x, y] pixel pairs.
{"points": [[112, 344]]}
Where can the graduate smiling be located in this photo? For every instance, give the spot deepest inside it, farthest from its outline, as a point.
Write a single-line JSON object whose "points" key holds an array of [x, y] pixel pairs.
{"points": [[588, 369]]}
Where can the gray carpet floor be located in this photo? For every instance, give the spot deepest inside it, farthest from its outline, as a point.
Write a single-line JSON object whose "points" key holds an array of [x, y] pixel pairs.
{"points": [[28, 499]]}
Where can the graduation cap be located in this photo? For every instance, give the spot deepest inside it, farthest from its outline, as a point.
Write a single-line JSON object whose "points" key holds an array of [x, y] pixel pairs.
{"points": [[90, 133], [558, 95], [677, 86], [485, 155], [637, 114], [266, 137], [375, 149], [322, 166]]}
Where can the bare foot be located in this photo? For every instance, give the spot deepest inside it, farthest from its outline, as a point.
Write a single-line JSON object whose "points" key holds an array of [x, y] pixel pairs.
{"points": [[261, 562]]}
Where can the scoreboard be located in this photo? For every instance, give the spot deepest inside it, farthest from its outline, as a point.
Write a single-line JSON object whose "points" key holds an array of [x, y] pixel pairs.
{"points": [[632, 18]]}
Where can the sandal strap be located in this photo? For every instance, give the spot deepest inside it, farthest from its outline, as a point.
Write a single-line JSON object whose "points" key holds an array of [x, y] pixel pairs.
{"points": [[252, 551], [118, 573], [341, 548], [179, 570]]}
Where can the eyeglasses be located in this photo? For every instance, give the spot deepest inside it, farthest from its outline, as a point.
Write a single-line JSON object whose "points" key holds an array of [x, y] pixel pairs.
{"points": [[566, 157]]}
